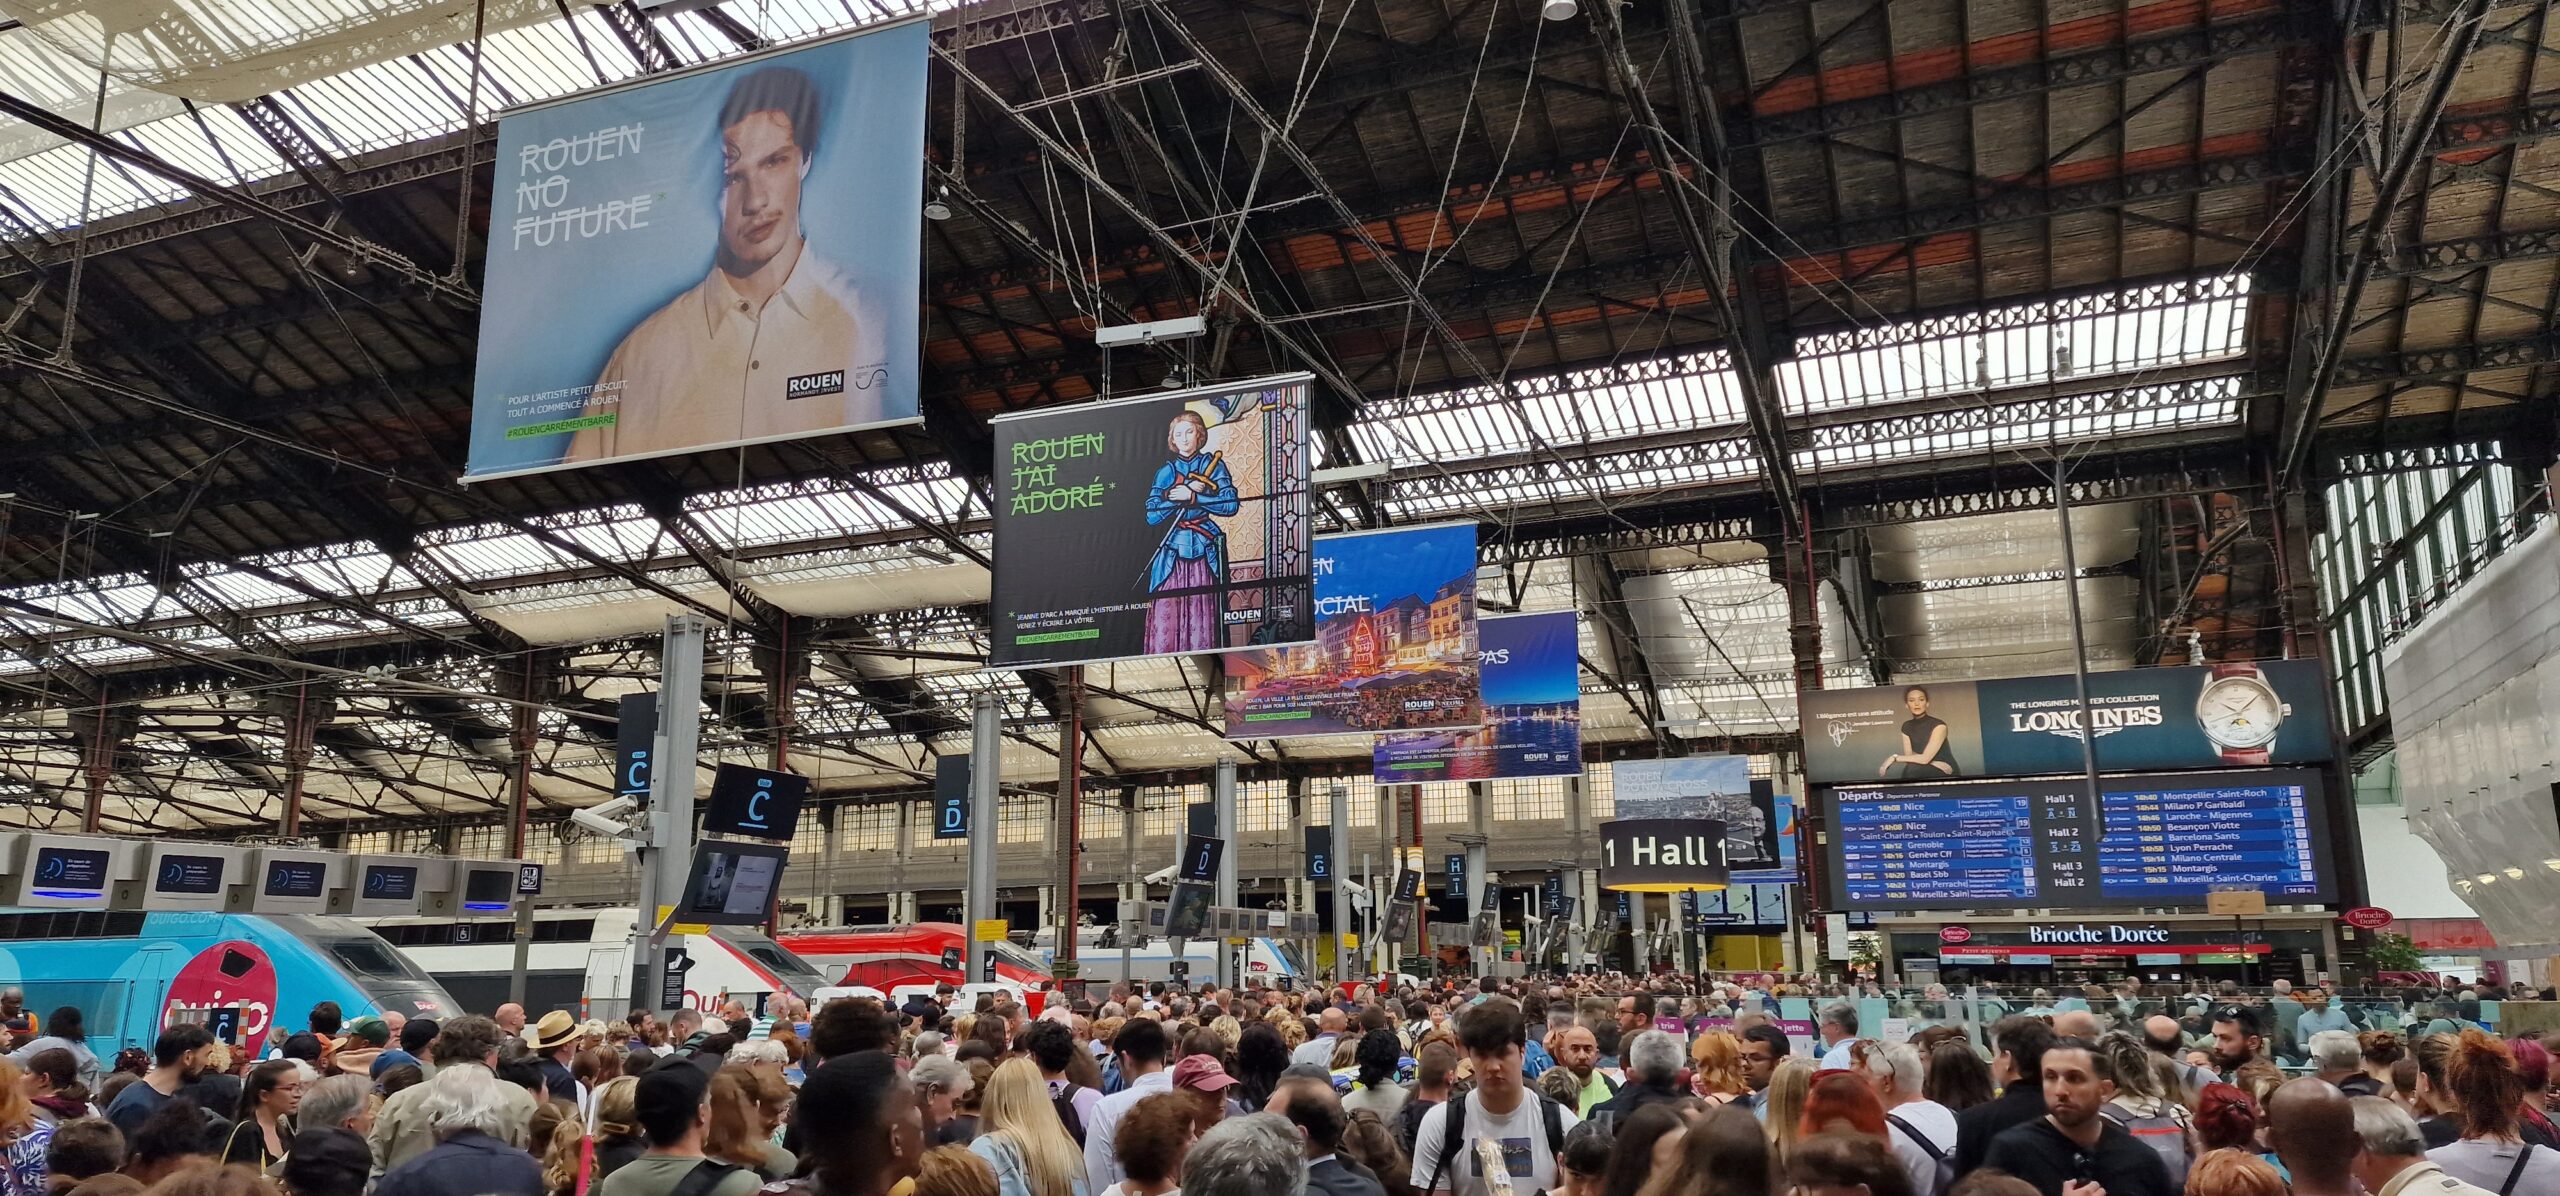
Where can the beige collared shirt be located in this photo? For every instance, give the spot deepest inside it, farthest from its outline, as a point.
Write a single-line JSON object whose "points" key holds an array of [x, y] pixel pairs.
{"points": [[709, 368]]}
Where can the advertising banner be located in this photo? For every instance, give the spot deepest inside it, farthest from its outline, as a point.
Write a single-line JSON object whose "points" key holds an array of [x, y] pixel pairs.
{"points": [[1532, 711], [1156, 526], [1395, 646], [1717, 787], [2206, 716], [718, 257]]}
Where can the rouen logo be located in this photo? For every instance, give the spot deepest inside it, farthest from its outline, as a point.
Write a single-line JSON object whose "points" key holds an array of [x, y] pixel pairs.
{"points": [[810, 386]]}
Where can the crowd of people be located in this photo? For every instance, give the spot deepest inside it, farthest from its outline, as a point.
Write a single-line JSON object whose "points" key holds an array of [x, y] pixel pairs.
{"points": [[1581, 1086]]}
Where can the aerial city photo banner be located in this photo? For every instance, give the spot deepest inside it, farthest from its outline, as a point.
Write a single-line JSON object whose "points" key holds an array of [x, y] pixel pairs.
{"points": [[1532, 711], [1163, 525], [2207, 716], [1395, 646], [716, 257]]}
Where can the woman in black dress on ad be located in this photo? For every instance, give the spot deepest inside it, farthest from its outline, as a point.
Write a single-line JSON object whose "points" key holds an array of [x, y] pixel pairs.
{"points": [[1924, 755]]}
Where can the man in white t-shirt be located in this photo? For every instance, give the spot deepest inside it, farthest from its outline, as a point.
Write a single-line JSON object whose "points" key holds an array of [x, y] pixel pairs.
{"points": [[1528, 1128], [1923, 1131], [1838, 1025]]}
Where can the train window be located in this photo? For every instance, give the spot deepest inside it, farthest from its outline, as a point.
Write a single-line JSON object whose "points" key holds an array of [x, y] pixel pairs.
{"points": [[368, 957], [70, 924]]}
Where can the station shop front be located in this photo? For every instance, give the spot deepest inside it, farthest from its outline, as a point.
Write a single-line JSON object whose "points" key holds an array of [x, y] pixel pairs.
{"points": [[2165, 950]]}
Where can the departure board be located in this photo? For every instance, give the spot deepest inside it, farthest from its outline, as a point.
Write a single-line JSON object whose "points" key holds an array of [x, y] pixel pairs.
{"points": [[2167, 841]]}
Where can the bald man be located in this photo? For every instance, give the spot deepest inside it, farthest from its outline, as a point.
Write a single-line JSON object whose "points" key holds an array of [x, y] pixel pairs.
{"points": [[2162, 1035], [2075, 1023], [2312, 1127]]}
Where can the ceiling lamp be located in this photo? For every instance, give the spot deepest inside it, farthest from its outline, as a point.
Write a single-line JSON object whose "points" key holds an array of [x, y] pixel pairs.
{"points": [[1559, 10]]}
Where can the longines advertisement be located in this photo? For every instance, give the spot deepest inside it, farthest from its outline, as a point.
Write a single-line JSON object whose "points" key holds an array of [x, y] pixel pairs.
{"points": [[2227, 715]]}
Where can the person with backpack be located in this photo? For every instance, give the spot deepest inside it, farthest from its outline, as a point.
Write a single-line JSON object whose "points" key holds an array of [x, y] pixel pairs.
{"points": [[674, 1108], [1526, 1128], [2144, 1103], [1921, 1131], [1053, 1047]]}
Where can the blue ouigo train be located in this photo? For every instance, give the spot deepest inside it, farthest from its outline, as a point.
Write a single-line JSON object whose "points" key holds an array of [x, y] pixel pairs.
{"points": [[126, 971]]}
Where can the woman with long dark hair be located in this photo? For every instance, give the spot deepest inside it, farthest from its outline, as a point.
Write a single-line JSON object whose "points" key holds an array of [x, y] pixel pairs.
{"points": [[262, 1125], [1725, 1153], [1261, 1056], [1380, 1052]]}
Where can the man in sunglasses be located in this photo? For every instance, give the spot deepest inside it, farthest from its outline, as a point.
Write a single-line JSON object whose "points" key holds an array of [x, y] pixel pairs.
{"points": [[2072, 1150]]}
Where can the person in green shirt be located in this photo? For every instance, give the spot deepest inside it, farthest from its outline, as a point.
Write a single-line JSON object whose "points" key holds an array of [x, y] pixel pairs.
{"points": [[1578, 1051]]}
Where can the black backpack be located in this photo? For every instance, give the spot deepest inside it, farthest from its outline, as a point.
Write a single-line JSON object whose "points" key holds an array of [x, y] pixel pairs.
{"points": [[1065, 1103], [1454, 1134], [1944, 1175]]}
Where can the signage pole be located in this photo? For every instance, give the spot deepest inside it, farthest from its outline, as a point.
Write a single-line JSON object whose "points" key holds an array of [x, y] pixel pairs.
{"points": [[1129, 867], [1222, 806], [1341, 798], [670, 798], [2079, 647], [985, 765]]}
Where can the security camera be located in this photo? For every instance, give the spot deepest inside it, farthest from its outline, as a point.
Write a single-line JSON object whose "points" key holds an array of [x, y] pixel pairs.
{"points": [[1355, 888], [1162, 875], [605, 818]]}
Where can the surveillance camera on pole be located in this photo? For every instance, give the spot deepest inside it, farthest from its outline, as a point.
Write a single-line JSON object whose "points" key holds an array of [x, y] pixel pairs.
{"points": [[609, 818]]}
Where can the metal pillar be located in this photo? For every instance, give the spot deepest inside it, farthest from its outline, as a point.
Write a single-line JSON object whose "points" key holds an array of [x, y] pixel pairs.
{"points": [[1341, 797], [1130, 888], [1069, 823], [1477, 865], [986, 760], [1222, 807], [524, 730], [669, 855], [297, 766], [2096, 812]]}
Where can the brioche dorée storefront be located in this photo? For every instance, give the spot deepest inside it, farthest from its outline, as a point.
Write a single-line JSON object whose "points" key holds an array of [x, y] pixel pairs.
{"points": [[2160, 949]]}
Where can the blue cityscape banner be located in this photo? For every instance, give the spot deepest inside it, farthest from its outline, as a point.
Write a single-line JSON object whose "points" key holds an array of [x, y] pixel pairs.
{"points": [[1395, 644], [718, 257], [2232, 715], [1532, 711]]}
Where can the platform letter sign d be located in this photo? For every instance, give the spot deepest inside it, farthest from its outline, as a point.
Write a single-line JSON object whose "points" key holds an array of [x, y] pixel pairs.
{"points": [[951, 798]]}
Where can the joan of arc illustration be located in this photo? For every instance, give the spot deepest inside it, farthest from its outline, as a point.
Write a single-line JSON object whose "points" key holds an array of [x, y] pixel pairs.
{"points": [[1192, 491]]}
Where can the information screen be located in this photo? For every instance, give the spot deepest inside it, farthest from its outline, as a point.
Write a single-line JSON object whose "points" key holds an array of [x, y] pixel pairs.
{"points": [[295, 878], [390, 882], [488, 888], [2169, 840], [190, 875], [69, 872], [732, 884]]}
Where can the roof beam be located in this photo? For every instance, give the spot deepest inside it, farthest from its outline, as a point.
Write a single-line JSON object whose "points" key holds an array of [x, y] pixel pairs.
{"points": [[2302, 409], [44, 119], [1708, 223]]}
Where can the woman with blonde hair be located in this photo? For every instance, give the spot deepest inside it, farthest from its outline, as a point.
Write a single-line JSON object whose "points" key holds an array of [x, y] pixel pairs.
{"points": [[1228, 1030], [1020, 1136], [1715, 1066], [619, 1138], [738, 1133], [1789, 1089]]}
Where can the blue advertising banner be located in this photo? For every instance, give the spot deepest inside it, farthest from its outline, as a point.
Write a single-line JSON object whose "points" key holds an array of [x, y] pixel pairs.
{"points": [[1395, 646], [1532, 711], [2146, 720], [718, 257]]}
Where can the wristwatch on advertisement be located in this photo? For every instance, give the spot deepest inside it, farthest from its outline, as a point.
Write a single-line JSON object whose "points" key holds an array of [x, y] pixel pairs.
{"points": [[2241, 713]]}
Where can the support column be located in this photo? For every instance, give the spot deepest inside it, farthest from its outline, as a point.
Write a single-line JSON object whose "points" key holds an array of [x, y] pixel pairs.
{"points": [[784, 666], [524, 733], [1341, 798], [1222, 808], [301, 712], [103, 732], [986, 764], [665, 862], [1068, 822]]}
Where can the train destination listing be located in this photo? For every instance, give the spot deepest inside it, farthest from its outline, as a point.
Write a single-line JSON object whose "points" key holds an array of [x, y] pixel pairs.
{"points": [[2167, 840]]}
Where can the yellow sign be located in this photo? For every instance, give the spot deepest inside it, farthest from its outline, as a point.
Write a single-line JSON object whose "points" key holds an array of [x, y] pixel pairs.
{"points": [[991, 930], [666, 912], [1235, 942], [1350, 941]]}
